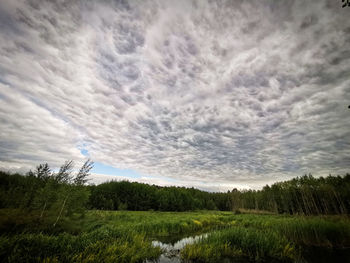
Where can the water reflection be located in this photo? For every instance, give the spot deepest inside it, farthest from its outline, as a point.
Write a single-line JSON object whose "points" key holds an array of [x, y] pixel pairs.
{"points": [[179, 244], [172, 251]]}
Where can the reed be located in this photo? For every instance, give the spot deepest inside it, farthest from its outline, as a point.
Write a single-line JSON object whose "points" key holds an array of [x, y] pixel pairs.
{"points": [[125, 236], [238, 241]]}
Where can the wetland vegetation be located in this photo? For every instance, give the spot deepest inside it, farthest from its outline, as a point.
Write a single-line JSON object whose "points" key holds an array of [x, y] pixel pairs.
{"points": [[50, 216], [126, 236]]}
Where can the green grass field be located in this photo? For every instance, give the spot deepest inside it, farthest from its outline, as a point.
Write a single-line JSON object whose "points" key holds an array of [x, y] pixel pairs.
{"points": [[125, 236]]}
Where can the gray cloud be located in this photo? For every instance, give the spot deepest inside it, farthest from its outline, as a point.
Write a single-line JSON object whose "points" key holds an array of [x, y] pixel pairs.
{"points": [[231, 92]]}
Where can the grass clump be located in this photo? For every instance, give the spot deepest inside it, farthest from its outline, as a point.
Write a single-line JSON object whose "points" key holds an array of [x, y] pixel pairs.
{"points": [[93, 247], [325, 231], [255, 245], [137, 249]]}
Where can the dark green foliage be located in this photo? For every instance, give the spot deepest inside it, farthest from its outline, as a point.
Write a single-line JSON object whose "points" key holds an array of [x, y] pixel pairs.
{"points": [[49, 195], [103, 245], [61, 192], [142, 197], [305, 195]]}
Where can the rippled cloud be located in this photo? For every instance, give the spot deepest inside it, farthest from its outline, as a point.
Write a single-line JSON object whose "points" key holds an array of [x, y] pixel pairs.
{"points": [[203, 92]]}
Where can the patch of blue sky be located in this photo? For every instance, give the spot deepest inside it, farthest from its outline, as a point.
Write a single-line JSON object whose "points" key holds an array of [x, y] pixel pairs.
{"points": [[101, 168], [84, 152]]}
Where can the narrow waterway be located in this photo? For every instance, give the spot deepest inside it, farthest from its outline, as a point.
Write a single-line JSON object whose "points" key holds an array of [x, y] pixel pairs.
{"points": [[172, 250]]}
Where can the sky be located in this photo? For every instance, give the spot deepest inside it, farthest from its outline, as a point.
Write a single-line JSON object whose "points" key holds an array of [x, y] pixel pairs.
{"points": [[208, 94]]}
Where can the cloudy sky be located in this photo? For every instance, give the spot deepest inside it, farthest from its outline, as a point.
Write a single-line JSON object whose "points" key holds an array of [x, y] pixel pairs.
{"points": [[212, 94]]}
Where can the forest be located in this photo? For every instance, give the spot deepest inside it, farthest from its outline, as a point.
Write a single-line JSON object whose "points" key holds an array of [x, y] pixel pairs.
{"points": [[47, 191], [304, 195]]}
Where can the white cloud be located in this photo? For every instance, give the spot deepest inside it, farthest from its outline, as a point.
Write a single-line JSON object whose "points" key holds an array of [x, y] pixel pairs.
{"points": [[220, 92]]}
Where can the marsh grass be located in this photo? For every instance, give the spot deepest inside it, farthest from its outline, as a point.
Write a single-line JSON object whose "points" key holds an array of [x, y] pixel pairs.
{"points": [[270, 238], [106, 236], [327, 231], [83, 248], [241, 242], [125, 236]]}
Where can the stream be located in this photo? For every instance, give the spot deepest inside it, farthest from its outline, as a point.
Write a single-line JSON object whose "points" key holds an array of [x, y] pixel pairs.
{"points": [[172, 249]]}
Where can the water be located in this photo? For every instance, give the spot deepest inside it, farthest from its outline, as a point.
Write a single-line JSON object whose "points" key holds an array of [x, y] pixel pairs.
{"points": [[172, 250]]}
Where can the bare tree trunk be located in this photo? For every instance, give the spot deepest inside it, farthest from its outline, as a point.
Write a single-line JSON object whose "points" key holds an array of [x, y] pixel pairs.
{"points": [[306, 205], [59, 215], [42, 212], [298, 207], [274, 204], [325, 206], [314, 204], [341, 205]]}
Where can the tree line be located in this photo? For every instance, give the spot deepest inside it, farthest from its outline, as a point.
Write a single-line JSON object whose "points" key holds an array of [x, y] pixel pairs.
{"points": [[305, 195], [63, 193], [125, 195]]}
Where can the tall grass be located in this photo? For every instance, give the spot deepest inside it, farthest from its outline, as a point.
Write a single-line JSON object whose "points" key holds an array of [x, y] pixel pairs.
{"points": [[328, 231], [102, 236], [125, 236], [270, 237], [159, 223], [102, 245], [238, 241]]}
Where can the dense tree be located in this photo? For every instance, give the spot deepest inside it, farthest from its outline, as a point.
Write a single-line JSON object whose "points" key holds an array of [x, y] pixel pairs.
{"points": [[137, 196], [64, 194], [303, 195], [51, 194]]}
